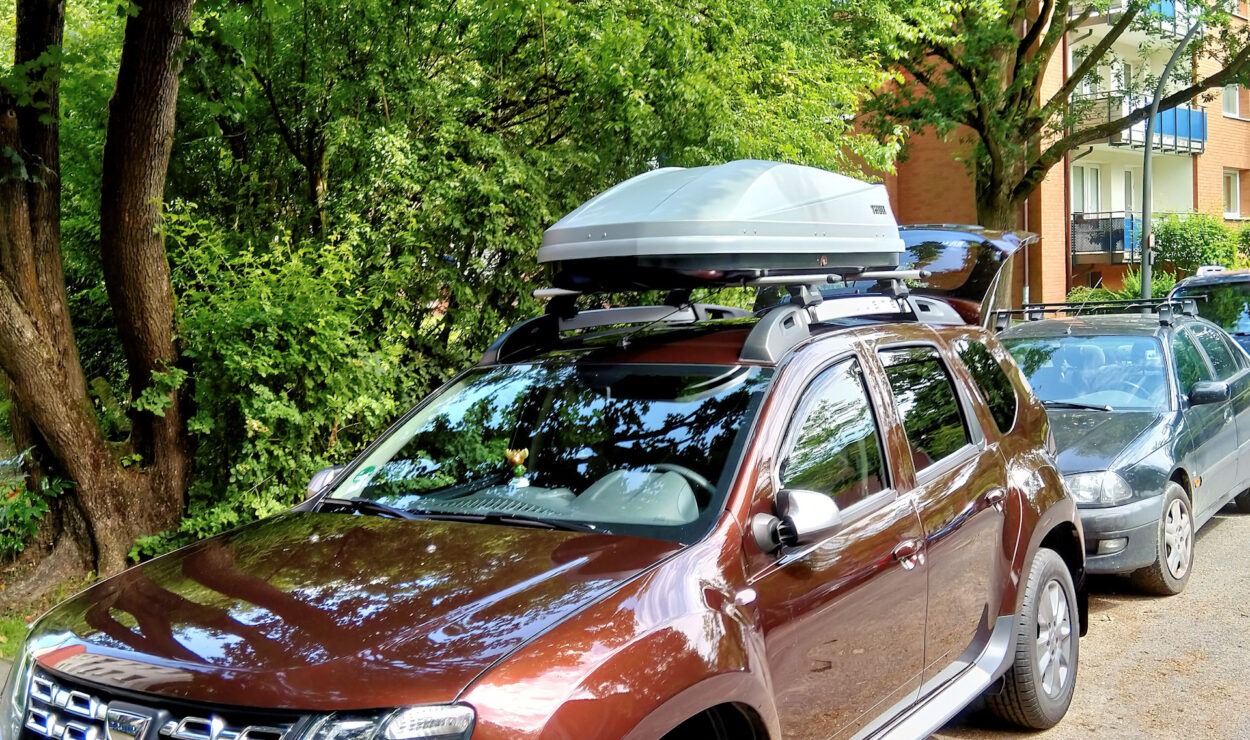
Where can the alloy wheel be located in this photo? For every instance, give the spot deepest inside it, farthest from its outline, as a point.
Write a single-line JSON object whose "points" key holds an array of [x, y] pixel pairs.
{"points": [[1054, 639], [1178, 539]]}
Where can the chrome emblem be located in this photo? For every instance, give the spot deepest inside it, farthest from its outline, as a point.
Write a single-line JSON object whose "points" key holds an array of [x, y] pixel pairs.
{"points": [[124, 725]]}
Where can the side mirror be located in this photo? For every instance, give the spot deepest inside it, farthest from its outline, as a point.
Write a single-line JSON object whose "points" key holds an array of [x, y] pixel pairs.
{"points": [[1209, 391], [802, 517], [321, 479]]}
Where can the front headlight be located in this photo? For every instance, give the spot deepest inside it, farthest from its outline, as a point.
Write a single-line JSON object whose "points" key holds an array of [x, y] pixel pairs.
{"points": [[13, 706], [438, 722], [1103, 487]]}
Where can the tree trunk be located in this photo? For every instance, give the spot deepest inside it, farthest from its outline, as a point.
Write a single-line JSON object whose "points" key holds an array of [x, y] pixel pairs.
{"points": [[37, 350], [136, 268]]}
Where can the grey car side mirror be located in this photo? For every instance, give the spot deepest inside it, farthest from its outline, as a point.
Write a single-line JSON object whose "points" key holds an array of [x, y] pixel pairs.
{"points": [[802, 517], [321, 479], [1209, 391]]}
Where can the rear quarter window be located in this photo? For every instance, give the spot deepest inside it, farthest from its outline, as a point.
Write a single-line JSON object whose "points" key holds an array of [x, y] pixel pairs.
{"points": [[992, 381]]}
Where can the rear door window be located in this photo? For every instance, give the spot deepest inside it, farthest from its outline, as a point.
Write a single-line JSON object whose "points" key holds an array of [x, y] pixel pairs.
{"points": [[927, 403]]}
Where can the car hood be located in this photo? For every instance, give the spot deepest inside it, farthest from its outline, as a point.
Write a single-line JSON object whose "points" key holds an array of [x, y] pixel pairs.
{"points": [[1103, 440], [317, 611]]}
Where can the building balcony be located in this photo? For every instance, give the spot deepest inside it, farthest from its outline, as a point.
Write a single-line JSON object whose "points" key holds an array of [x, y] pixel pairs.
{"points": [[1172, 17], [1182, 129], [1108, 237]]}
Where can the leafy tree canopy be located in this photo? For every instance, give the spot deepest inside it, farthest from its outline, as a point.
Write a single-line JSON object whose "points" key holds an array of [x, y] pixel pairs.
{"points": [[983, 64]]}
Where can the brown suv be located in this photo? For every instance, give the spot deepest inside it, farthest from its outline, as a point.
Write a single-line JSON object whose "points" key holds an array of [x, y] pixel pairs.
{"points": [[684, 521]]}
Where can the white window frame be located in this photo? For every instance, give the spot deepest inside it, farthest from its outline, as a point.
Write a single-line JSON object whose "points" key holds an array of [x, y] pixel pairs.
{"points": [[1086, 199], [1232, 193], [1232, 101]]}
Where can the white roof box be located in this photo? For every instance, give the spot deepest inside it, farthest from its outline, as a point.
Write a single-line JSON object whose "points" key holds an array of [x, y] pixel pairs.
{"points": [[676, 228]]}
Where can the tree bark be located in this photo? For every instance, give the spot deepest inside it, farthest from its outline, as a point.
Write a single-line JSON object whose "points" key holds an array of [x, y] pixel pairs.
{"points": [[136, 268], [37, 349]]}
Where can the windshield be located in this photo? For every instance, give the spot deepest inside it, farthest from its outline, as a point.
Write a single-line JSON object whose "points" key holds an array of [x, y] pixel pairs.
{"points": [[643, 449], [1110, 372], [1226, 304]]}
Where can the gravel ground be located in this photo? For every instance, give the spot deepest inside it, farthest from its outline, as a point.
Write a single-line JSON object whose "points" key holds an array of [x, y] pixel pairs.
{"points": [[1155, 667]]}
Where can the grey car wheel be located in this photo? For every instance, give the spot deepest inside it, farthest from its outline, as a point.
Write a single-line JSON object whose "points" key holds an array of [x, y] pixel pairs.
{"points": [[1174, 558], [1037, 688]]}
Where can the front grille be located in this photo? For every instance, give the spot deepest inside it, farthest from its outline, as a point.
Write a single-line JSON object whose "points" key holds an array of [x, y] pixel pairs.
{"points": [[62, 710]]}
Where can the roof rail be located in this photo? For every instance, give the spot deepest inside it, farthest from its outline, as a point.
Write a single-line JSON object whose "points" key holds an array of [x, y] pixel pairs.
{"points": [[1164, 308], [543, 332]]}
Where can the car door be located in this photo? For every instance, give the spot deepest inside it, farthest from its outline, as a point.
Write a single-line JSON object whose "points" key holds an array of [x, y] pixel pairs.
{"points": [[1210, 430], [843, 619], [1232, 366], [959, 490]]}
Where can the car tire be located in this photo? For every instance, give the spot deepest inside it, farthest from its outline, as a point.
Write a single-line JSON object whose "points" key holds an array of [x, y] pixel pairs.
{"points": [[1037, 688], [1174, 549], [1243, 502]]}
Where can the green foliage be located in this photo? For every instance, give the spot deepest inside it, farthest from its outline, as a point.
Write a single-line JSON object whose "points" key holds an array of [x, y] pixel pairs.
{"points": [[1193, 240], [1161, 283], [358, 189], [1243, 246], [21, 509]]}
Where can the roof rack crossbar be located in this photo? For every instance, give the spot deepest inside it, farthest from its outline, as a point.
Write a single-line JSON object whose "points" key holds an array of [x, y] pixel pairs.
{"points": [[1165, 308]]}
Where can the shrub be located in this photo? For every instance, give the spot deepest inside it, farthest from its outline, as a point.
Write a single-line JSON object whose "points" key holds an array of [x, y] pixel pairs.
{"points": [[1161, 282], [21, 509], [1187, 242]]}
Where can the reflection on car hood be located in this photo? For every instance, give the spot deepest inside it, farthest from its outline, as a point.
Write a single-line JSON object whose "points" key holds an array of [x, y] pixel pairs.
{"points": [[293, 611], [1097, 440]]}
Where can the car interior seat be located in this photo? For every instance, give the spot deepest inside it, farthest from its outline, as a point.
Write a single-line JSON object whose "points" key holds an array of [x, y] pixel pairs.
{"points": [[639, 497]]}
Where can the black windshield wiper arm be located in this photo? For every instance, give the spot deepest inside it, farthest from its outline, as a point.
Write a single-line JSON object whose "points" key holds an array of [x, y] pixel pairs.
{"points": [[1073, 405], [538, 521], [368, 506]]}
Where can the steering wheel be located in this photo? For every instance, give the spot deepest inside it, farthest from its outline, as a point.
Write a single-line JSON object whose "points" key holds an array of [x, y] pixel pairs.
{"points": [[704, 487], [1132, 388]]}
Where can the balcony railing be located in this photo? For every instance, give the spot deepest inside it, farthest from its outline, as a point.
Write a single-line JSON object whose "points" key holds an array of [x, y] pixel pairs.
{"points": [[1109, 232], [1182, 129], [1173, 17]]}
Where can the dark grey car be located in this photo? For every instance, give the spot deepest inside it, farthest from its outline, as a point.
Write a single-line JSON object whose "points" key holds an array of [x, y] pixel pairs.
{"points": [[1152, 422]]}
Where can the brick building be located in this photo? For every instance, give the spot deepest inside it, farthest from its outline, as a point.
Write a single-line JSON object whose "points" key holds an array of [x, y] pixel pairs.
{"points": [[1088, 209]]}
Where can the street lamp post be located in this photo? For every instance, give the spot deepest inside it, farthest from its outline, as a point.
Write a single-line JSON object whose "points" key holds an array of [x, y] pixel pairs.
{"points": [[1147, 238]]}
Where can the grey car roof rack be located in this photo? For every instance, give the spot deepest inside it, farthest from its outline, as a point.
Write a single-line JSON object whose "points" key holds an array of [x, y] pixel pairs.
{"points": [[785, 326], [1164, 308]]}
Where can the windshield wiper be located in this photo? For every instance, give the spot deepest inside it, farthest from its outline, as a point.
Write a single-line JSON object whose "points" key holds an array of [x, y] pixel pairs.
{"points": [[1074, 405], [497, 517], [369, 506]]}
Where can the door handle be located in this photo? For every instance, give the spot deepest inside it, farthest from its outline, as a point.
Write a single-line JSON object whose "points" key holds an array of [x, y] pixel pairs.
{"points": [[909, 553], [997, 498]]}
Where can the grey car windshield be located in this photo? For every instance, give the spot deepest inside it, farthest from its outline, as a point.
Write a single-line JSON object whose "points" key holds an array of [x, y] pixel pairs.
{"points": [[632, 449], [1117, 372]]}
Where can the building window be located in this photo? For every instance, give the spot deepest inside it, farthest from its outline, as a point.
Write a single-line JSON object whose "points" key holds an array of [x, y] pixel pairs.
{"points": [[1232, 100], [1232, 194], [1086, 189]]}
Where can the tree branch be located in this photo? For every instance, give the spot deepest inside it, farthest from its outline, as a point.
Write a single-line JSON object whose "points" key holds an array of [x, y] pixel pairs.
{"points": [[1086, 66]]}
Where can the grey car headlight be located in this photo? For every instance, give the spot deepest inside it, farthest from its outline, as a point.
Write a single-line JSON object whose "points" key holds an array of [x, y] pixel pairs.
{"points": [[1103, 487], [16, 695], [435, 722]]}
